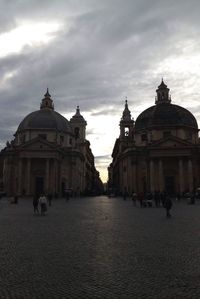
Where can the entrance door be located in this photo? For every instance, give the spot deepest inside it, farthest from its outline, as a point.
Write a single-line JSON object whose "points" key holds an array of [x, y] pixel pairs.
{"points": [[63, 188], [39, 185], [170, 185]]}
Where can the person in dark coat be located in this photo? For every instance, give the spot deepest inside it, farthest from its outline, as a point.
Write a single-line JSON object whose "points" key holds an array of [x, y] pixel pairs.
{"points": [[168, 206], [16, 198], [125, 194], [35, 203], [134, 198], [49, 198], [141, 199]]}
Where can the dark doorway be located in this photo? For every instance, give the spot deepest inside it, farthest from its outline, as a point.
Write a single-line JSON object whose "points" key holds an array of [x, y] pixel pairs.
{"points": [[63, 188], [144, 184], [39, 185], [170, 185]]}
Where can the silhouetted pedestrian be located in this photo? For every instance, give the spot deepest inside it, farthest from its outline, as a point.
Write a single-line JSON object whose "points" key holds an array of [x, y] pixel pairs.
{"points": [[168, 206], [125, 194], [134, 198], [43, 204], [149, 199], [67, 195], [141, 199], [16, 199], [192, 199], [49, 198], [35, 204], [157, 199]]}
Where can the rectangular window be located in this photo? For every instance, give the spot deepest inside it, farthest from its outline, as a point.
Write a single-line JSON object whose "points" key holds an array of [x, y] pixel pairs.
{"points": [[42, 136], [189, 135], [144, 137], [166, 134], [61, 139], [23, 138]]}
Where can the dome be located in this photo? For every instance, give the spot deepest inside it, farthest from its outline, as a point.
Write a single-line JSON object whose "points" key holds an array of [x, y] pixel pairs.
{"points": [[165, 115], [45, 118]]}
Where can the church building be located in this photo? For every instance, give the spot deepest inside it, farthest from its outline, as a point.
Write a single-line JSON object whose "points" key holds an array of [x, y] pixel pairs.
{"points": [[49, 154], [160, 151]]}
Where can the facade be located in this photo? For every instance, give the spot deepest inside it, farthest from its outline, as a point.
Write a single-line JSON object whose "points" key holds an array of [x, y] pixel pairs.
{"points": [[160, 151], [49, 154]]}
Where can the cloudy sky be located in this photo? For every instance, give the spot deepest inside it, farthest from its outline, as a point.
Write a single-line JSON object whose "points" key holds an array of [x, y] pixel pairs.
{"points": [[94, 53]]}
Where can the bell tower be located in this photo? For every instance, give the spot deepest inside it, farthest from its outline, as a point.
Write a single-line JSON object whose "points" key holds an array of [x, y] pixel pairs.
{"points": [[79, 126], [47, 102], [163, 96], [126, 123]]}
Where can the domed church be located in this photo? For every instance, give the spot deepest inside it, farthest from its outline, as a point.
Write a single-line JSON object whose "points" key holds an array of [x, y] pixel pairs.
{"points": [[49, 154], [160, 151]]}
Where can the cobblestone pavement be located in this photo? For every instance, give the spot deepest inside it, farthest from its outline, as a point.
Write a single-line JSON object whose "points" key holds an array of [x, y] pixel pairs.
{"points": [[99, 247]]}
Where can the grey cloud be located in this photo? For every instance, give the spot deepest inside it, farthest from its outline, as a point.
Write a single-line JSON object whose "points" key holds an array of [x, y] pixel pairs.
{"points": [[104, 157], [90, 132], [102, 161], [106, 50], [109, 110]]}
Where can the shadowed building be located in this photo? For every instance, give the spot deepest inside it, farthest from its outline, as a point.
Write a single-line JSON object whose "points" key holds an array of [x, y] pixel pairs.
{"points": [[49, 154], [160, 151]]}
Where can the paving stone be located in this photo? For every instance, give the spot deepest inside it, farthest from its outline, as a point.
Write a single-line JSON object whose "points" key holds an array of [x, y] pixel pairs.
{"points": [[99, 247]]}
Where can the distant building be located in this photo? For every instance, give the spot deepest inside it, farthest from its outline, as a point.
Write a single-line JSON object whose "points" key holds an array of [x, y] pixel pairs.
{"points": [[49, 154], [160, 151]]}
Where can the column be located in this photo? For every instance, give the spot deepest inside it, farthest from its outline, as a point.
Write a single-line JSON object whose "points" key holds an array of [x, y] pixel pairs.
{"points": [[19, 175], [125, 175], [181, 175], [53, 176], [190, 175], [134, 178], [5, 175], [28, 176], [56, 175], [128, 175], [120, 172], [152, 187], [47, 176], [160, 165], [59, 177]]}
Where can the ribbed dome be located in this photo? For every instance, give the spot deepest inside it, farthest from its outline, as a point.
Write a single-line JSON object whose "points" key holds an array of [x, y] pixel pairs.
{"points": [[45, 119], [164, 115]]}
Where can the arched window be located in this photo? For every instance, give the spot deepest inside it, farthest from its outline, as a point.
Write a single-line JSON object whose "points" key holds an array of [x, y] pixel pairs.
{"points": [[76, 132], [126, 131]]}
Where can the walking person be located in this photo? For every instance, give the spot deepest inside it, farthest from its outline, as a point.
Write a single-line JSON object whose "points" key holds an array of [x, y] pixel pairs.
{"points": [[49, 197], [67, 194], [16, 199], [125, 194], [134, 198], [141, 199], [168, 206], [157, 199], [35, 204], [43, 204]]}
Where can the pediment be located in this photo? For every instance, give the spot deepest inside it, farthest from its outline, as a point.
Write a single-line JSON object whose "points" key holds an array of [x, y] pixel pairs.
{"points": [[172, 142], [38, 144]]}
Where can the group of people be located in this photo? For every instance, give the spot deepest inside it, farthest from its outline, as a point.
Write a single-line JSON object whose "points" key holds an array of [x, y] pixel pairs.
{"points": [[147, 199], [41, 201]]}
